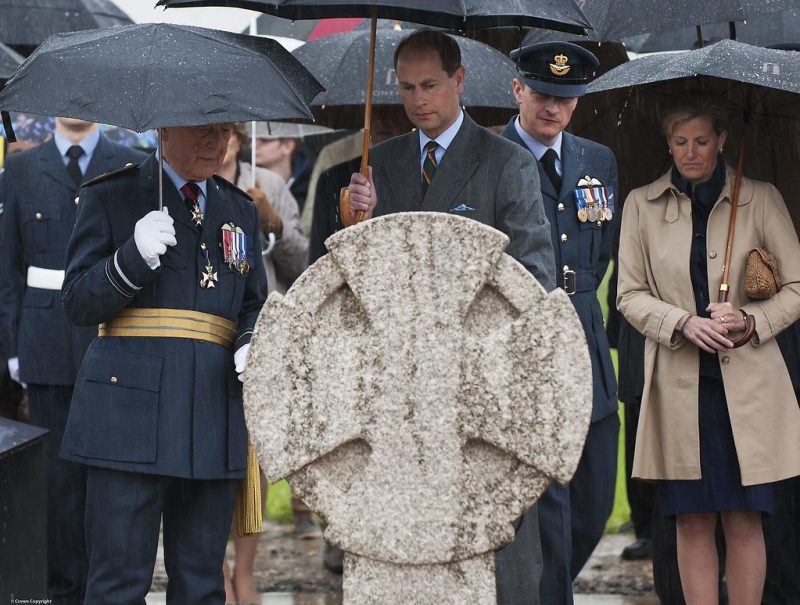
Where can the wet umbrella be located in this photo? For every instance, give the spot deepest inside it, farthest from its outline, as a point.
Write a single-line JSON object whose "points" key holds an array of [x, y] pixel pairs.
{"points": [[154, 75], [337, 62], [312, 29], [759, 86], [613, 20], [27, 23], [9, 61], [451, 14]]}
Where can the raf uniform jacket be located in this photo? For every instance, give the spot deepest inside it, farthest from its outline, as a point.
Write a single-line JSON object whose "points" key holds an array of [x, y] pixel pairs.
{"points": [[168, 406], [39, 201], [584, 248], [481, 176]]}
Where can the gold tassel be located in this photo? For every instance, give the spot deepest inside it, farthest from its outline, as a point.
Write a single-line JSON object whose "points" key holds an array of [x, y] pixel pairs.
{"points": [[248, 501]]}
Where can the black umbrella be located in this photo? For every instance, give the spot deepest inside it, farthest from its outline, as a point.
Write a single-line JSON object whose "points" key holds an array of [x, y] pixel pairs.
{"points": [[27, 23], [765, 30], [613, 20], [154, 75], [760, 86], [450, 14], [9, 61], [337, 61]]}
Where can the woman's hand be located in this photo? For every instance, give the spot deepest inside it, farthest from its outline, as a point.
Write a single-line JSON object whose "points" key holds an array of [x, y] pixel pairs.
{"points": [[708, 334], [726, 315]]}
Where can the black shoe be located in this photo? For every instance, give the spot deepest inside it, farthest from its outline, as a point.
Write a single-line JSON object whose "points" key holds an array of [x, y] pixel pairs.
{"points": [[639, 550], [333, 558]]}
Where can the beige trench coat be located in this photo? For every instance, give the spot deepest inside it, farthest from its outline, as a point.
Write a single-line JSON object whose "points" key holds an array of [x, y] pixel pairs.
{"points": [[655, 291]]}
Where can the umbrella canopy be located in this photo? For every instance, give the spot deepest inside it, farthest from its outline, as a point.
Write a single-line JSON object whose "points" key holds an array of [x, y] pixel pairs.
{"points": [[764, 30], [311, 29], [154, 75], [449, 14], [9, 61], [27, 23], [338, 61], [613, 20], [758, 88]]}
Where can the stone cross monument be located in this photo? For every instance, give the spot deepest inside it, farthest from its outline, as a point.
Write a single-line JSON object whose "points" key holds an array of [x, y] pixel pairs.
{"points": [[419, 389]]}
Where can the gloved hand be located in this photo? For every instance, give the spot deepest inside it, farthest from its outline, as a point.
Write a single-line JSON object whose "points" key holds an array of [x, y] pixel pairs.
{"points": [[13, 369], [152, 234], [240, 360], [270, 220]]}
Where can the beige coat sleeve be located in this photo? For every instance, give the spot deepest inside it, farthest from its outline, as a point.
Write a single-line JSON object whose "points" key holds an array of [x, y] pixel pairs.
{"points": [[780, 238], [645, 311]]}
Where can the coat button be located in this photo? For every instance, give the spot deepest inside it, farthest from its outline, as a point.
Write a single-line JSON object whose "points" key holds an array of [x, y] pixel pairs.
{"points": [[560, 207], [38, 216], [566, 268], [563, 238], [77, 199], [113, 380], [712, 254], [599, 223], [725, 360]]}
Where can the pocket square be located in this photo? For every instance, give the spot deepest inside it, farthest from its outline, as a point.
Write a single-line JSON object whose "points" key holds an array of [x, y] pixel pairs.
{"points": [[462, 208]]}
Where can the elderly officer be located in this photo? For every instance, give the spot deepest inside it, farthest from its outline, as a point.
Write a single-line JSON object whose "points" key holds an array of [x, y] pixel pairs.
{"points": [[450, 164], [579, 185], [39, 196], [157, 412]]}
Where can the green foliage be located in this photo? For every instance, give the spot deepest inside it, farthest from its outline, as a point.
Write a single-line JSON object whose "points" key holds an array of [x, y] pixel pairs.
{"points": [[279, 502]]}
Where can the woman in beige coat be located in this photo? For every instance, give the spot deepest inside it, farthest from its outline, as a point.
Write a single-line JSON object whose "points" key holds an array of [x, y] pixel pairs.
{"points": [[718, 424]]}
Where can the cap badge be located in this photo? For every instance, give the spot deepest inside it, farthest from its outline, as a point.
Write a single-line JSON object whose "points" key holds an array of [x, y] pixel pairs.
{"points": [[560, 68]]}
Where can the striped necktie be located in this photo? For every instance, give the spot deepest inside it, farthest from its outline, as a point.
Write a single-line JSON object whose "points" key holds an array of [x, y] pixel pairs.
{"points": [[429, 165]]}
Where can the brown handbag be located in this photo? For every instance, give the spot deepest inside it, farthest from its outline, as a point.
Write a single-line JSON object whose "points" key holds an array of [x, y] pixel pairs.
{"points": [[761, 279]]}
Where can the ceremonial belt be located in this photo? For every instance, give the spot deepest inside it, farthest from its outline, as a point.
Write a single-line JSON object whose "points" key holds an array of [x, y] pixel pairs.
{"points": [[171, 323], [46, 279], [582, 280]]}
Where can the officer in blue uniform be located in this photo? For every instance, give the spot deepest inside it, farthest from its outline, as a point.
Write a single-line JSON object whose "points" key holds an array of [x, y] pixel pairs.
{"points": [[39, 196], [157, 413], [579, 188]]}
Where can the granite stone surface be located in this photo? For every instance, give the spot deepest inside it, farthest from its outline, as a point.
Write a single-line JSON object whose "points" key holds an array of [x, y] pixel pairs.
{"points": [[417, 388]]}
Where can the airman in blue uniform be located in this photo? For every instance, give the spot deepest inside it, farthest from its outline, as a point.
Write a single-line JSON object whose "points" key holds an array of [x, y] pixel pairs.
{"points": [[579, 188], [39, 197], [157, 413]]}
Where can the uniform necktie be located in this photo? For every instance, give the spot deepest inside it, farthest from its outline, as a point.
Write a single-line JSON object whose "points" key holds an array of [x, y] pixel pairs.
{"points": [[192, 193], [74, 170], [429, 165], [549, 164]]}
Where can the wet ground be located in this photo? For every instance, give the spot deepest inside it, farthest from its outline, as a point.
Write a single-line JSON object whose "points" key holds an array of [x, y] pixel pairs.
{"points": [[290, 572]]}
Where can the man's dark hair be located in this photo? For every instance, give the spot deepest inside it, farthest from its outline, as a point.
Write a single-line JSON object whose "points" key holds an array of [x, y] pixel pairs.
{"points": [[427, 39]]}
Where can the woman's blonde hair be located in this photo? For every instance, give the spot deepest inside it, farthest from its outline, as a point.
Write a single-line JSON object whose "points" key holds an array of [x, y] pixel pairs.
{"points": [[689, 111]]}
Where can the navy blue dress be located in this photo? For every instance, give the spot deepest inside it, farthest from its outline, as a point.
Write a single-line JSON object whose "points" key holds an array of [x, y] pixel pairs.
{"points": [[720, 487]]}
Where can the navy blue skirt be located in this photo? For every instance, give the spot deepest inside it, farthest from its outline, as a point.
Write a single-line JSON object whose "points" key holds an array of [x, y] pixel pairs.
{"points": [[720, 489]]}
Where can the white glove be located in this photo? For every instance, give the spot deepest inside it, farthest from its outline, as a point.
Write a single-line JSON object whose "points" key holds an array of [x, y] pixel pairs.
{"points": [[13, 370], [152, 234], [240, 360]]}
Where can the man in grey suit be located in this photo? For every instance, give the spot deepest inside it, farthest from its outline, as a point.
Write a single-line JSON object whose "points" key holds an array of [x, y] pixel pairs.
{"points": [[453, 165]]}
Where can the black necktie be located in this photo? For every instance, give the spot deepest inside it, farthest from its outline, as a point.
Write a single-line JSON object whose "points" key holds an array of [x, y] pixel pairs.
{"points": [[73, 153], [191, 191], [429, 165], [549, 164]]}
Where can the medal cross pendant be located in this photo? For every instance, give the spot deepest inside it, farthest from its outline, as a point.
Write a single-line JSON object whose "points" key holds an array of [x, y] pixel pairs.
{"points": [[208, 278]]}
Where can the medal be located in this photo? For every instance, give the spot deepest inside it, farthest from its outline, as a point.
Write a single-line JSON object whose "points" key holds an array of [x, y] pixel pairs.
{"points": [[197, 216], [234, 248], [593, 212], [582, 216], [609, 214], [209, 276]]}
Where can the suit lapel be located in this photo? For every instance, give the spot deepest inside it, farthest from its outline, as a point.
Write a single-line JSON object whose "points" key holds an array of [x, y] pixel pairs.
{"points": [[458, 165], [405, 185], [104, 159], [53, 166]]}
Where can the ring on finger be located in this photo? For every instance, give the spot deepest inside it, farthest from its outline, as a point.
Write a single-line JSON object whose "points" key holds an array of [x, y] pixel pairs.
{"points": [[721, 319]]}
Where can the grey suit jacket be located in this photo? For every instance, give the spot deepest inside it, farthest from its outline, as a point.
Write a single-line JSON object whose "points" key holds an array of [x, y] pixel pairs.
{"points": [[481, 176]]}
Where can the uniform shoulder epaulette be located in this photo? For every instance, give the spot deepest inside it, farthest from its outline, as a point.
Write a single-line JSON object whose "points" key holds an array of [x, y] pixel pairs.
{"points": [[222, 181], [107, 175]]}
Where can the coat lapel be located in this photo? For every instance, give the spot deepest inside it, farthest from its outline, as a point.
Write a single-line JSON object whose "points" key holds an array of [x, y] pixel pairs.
{"points": [[53, 166], [571, 161], [457, 166]]}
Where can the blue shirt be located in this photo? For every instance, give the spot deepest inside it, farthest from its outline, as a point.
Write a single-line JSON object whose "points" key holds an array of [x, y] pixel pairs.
{"points": [[88, 145], [536, 148], [443, 139], [179, 182]]}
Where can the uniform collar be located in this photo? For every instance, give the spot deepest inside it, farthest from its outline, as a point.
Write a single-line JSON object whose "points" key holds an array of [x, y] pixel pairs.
{"points": [[178, 180], [88, 144], [445, 138], [537, 149]]}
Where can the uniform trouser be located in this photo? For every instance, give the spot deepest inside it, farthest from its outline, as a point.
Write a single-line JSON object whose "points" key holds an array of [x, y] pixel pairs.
{"points": [[123, 515], [518, 565], [572, 518], [66, 498], [641, 494]]}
